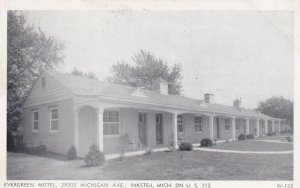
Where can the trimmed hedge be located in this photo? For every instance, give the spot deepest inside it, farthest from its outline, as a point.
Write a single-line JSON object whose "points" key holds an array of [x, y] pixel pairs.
{"points": [[95, 157], [271, 133], [72, 153], [242, 137], [185, 146], [10, 142], [35, 149], [250, 136], [206, 142], [289, 139]]}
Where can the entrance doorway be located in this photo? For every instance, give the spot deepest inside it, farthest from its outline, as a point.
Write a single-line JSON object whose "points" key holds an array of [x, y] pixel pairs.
{"points": [[218, 128], [142, 130], [159, 129]]}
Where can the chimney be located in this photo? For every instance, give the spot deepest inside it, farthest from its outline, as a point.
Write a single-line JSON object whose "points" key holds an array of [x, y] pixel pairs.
{"points": [[161, 86], [237, 103], [209, 98]]}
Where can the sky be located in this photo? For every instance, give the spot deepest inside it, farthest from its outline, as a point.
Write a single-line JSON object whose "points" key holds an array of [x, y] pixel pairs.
{"points": [[232, 54]]}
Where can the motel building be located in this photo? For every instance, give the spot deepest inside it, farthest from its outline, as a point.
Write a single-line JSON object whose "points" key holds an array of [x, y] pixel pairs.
{"points": [[63, 110]]}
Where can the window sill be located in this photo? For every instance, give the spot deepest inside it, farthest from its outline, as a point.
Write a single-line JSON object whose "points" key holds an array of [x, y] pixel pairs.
{"points": [[53, 131]]}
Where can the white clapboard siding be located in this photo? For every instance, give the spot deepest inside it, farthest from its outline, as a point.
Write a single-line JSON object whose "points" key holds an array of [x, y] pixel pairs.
{"points": [[53, 91]]}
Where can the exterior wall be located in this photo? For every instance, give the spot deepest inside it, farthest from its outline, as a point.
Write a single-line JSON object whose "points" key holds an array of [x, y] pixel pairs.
{"points": [[261, 127], [189, 129], [223, 134], [241, 128], [168, 129], [53, 91], [269, 126], [277, 127], [129, 125], [58, 142], [87, 130]]}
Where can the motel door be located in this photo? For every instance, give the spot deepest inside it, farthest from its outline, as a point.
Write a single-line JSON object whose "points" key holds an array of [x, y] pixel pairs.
{"points": [[159, 129], [142, 131], [218, 128]]}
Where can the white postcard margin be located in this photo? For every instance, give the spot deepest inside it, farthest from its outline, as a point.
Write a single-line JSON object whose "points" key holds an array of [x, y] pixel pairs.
{"points": [[86, 5]]}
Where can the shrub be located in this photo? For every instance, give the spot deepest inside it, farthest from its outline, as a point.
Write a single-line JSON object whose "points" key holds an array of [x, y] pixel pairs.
{"points": [[250, 136], [34, 149], [10, 142], [149, 151], [95, 157], [289, 139], [206, 142], [185, 146], [72, 153], [271, 133], [20, 147], [242, 137], [40, 149], [122, 155]]}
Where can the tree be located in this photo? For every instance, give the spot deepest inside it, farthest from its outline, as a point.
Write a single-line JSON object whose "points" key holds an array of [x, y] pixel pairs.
{"points": [[145, 70], [79, 73], [278, 107], [29, 52]]}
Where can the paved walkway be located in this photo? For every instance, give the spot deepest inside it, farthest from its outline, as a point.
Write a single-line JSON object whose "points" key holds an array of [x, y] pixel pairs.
{"points": [[244, 152]]}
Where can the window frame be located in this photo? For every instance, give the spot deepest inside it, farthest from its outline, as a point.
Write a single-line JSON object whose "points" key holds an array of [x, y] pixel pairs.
{"points": [[33, 121], [180, 123], [56, 130], [119, 124], [228, 124], [200, 124]]}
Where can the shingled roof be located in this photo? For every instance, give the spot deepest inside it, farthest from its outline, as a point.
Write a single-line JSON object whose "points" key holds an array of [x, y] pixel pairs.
{"points": [[90, 87]]}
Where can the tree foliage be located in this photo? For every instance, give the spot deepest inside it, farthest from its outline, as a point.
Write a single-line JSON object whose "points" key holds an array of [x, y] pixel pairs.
{"points": [[29, 52], [146, 68], [79, 73], [278, 107]]}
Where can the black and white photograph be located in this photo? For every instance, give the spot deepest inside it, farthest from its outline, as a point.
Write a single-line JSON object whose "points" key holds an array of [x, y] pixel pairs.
{"points": [[144, 94]]}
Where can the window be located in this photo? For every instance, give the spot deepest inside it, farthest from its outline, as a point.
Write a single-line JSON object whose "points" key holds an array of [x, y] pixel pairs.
{"points": [[198, 123], [35, 123], [53, 119], [111, 123], [180, 123], [227, 124], [237, 124]]}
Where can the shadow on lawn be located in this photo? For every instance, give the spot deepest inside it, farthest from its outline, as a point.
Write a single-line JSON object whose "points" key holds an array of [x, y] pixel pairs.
{"points": [[47, 154]]}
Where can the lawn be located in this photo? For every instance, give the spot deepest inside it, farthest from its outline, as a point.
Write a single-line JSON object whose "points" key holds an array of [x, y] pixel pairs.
{"points": [[254, 145], [279, 137], [193, 165]]}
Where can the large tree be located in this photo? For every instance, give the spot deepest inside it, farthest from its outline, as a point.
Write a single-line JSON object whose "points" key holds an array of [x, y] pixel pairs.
{"points": [[144, 70], [29, 52], [278, 107]]}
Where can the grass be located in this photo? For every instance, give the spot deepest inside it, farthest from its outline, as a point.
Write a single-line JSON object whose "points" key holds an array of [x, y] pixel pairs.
{"points": [[279, 137], [193, 165], [253, 145]]}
